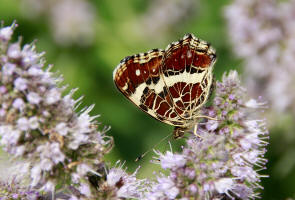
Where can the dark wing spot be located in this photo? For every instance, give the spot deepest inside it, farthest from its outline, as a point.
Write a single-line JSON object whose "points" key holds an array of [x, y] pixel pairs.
{"points": [[143, 107], [187, 68], [163, 93], [202, 50], [200, 71], [146, 90], [125, 59], [170, 73], [212, 57], [155, 79], [148, 81], [188, 35], [176, 73], [202, 98], [193, 70], [166, 73], [160, 118]]}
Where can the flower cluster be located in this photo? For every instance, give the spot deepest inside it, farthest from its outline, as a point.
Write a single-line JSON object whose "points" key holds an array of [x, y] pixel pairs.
{"points": [[117, 184], [262, 33], [224, 161], [41, 125], [72, 21], [14, 190]]}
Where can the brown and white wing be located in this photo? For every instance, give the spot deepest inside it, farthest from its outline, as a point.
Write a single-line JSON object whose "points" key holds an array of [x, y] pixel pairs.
{"points": [[187, 73], [138, 78]]}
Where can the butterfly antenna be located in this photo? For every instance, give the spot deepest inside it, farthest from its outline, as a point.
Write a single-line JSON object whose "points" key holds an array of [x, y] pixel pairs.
{"points": [[142, 155]]}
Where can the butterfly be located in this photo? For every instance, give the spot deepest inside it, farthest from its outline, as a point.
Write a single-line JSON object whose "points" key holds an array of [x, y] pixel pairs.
{"points": [[170, 85]]}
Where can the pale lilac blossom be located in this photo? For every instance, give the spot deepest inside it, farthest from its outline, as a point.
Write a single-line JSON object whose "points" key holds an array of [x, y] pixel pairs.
{"points": [[125, 185], [170, 160], [18, 104], [33, 98], [262, 34], [49, 186], [43, 127], [23, 124], [164, 189], [52, 96], [20, 84], [14, 51], [85, 190], [8, 69], [6, 33], [33, 123], [62, 128], [14, 189]]}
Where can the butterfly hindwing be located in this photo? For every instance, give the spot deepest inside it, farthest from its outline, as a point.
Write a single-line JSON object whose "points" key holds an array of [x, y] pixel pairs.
{"points": [[138, 78]]}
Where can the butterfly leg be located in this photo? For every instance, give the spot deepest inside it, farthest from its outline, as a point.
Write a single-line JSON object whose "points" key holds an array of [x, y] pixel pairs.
{"points": [[207, 117], [195, 132]]}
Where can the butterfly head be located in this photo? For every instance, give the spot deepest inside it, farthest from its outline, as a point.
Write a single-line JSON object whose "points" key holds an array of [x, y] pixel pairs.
{"points": [[178, 132]]}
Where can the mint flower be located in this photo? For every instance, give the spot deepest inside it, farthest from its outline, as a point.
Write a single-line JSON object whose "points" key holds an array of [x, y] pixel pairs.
{"points": [[224, 162], [14, 190], [262, 33], [41, 125], [112, 184], [123, 184]]}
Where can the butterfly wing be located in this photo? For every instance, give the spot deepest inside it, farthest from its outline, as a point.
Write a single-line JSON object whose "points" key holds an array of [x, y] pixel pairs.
{"points": [[138, 78], [187, 73], [169, 85]]}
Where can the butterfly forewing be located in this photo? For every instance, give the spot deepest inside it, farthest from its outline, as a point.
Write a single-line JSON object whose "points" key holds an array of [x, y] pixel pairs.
{"points": [[169, 85], [138, 78], [136, 70]]}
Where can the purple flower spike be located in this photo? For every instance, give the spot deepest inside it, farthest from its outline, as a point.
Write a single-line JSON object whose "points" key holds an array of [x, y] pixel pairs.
{"points": [[224, 162], [41, 126]]}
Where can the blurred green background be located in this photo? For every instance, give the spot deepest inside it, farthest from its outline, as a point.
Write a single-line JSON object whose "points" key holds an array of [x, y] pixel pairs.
{"points": [[122, 28]]}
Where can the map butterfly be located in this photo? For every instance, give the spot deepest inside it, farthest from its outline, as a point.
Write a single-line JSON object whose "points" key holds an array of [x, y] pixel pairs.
{"points": [[171, 85]]}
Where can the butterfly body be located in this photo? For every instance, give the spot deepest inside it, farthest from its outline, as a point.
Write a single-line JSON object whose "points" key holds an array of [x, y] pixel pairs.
{"points": [[171, 85]]}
